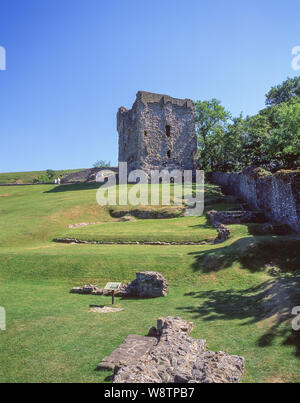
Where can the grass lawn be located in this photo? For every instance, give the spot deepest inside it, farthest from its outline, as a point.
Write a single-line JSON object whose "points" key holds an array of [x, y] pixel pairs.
{"points": [[52, 337], [183, 229]]}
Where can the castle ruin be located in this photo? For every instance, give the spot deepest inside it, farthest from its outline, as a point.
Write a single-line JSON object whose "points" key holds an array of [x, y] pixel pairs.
{"points": [[157, 133]]}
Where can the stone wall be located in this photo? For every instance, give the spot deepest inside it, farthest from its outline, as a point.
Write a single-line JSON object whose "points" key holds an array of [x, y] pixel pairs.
{"points": [[157, 133], [175, 358], [278, 195], [147, 284]]}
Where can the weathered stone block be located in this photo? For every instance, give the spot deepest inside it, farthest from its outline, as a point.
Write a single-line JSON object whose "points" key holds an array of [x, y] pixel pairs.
{"points": [[133, 348], [177, 357], [148, 284]]}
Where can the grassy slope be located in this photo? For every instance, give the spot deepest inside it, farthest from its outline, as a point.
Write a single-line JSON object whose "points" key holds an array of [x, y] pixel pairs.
{"points": [[27, 177], [50, 334], [185, 229]]}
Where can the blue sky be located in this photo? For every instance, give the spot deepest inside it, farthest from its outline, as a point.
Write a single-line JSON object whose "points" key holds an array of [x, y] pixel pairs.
{"points": [[72, 63]]}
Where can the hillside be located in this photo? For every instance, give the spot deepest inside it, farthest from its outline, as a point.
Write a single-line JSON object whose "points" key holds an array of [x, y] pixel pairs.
{"points": [[226, 289], [28, 177]]}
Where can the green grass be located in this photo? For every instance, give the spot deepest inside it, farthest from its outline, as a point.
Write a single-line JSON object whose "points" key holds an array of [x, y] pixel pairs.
{"points": [[185, 229], [52, 337], [27, 177]]}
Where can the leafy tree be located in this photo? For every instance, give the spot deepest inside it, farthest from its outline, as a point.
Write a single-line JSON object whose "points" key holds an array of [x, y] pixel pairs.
{"points": [[43, 179], [284, 92], [102, 164], [270, 139], [283, 144], [256, 133], [211, 120], [236, 144], [50, 173]]}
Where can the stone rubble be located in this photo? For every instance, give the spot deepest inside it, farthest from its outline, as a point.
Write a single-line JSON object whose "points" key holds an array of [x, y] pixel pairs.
{"points": [[147, 284], [87, 289], [223, 233], [169, 355], [222, 230], [161, 213], [80, 241], [235, 217]]}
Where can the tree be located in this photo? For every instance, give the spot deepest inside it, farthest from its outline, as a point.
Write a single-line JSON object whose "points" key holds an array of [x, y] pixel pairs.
{"points": [[284, 92], [211, 120], [270, 139], [236, 144], [102, 164], [283, 145], [256, 131], [50, 173]]}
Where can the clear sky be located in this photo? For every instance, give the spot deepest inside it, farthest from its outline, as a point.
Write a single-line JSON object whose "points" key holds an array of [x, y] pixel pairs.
{"points": [[72, 63]]}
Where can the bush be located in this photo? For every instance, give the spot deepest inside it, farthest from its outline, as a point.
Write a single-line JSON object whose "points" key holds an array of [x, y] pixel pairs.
{"points": [[102, 164]]}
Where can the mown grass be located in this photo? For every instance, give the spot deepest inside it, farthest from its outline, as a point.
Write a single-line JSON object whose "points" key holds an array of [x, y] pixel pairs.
{"points": [[185, 229], [52, 337]]}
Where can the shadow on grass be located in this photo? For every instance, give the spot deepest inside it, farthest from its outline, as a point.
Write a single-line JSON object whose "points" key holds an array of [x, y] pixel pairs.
{"points": [[135, 298], [75, 186], [273, 300], [252, 253], [206, 225]]}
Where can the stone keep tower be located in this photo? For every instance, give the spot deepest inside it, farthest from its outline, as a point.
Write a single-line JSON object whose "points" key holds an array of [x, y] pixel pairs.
{"points": [[157, 133]]}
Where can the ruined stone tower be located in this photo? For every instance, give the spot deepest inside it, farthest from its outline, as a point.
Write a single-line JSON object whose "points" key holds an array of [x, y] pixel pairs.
{"points": [[157, 133]]}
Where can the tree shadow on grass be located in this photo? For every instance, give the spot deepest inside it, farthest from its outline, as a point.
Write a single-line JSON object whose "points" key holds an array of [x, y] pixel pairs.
{"points": [[74, 187], [271, 301], [252, 253]]}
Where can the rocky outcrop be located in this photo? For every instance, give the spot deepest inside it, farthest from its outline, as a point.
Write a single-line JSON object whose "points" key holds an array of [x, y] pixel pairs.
{"points": [[147, 284], [277, 195], [171, 355]]}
